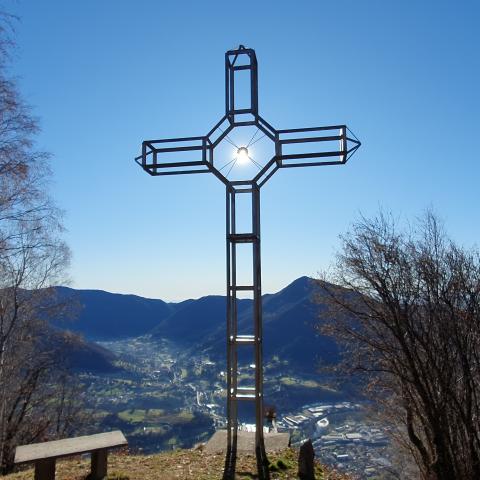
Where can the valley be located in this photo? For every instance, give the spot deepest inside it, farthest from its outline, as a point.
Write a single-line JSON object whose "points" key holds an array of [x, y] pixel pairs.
{"points": [[163, 398], [156, 371]]}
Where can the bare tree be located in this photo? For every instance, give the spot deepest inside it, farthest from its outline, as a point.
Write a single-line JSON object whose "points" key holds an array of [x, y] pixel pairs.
{"points": [[34, 386], [407, 311]]}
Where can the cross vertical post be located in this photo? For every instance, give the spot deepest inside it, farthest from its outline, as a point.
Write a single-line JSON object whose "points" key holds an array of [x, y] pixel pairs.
{"points": [[253, 336], [243, 177]]}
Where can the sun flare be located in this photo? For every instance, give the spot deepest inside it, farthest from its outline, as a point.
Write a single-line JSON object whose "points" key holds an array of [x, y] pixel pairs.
{"points": [[242, 155]]}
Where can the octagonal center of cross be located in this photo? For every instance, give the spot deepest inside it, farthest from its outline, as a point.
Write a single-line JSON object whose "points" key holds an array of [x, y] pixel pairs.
{"points": [[241, 151]]}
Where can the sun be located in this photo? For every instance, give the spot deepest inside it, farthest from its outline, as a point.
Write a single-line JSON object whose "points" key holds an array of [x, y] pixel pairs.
{"points": [[242, 155]]}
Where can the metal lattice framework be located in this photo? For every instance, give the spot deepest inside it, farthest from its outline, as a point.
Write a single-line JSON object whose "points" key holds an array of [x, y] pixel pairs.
{"points": [[244, 176]]}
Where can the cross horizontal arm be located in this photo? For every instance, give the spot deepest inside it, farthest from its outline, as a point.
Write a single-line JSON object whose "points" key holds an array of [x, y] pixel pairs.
{"points": [[176, 156], [330, 145]]}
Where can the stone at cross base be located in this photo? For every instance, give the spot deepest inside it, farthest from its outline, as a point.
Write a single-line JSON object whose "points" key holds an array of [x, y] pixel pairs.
{"points": [[306, 469]]}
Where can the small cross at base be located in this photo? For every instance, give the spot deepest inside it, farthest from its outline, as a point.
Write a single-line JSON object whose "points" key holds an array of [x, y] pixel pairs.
{"points": [[293, 148]]}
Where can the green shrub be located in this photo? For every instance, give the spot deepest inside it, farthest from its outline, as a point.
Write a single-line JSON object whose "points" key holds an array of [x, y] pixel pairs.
{"points": [[283, 465], [280, 464], [319, 474], [273, 467]]}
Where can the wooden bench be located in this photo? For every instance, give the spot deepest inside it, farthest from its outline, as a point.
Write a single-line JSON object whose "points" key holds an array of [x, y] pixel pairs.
{"points": [[45, 454]]}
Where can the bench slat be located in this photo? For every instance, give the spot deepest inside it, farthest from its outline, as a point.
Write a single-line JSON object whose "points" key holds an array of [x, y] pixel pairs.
{"points": [[69, 446]]}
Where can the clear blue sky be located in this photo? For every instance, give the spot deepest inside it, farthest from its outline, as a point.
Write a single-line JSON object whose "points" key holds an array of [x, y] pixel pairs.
{"points": [[104, 75]]}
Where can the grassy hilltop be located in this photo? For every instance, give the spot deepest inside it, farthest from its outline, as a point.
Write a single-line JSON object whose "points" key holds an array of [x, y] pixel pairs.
{"points": [[182, 464]]}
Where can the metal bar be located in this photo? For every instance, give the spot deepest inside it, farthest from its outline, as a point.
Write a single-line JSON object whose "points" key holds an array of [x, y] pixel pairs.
{"points": [[254, 82], [179, 149], [179, 139], [177, 164], [269, 134], [344, 145], [350, 153], [232, 90], [263, 121], [227, 93], [353, 134], [243, 237], [353, 149], [244, 124], [265, 169], [353, 141], [311, 155], [262, 460], [244, 339], [144, 154], [239, 111], [245, 396], [311, 164], [229, 313], [240, 51], [222, 136], [185, 172], [246, 390], [217, 125], [312, 139], [311, 129], [232, 320], [219, 176], [243, 190], [242, 182], [143, 157], [268, 176], [278, 154], [234, 317]]}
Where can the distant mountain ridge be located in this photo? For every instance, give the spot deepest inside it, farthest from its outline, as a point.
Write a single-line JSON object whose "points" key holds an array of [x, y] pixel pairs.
{"points": [[290, 317], [105, 316], [189, 323], [290, 321], [100, 315]]}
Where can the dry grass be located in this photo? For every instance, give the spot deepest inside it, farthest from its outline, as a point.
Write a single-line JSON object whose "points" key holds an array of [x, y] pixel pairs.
{"points": [[181, 464]]}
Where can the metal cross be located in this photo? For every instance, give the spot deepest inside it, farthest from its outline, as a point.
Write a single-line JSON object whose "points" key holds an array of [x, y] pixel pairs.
{"points": [[244, 176]]}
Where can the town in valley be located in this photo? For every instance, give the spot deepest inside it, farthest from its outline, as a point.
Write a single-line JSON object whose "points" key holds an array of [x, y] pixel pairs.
{"points": [[165, 399]]}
